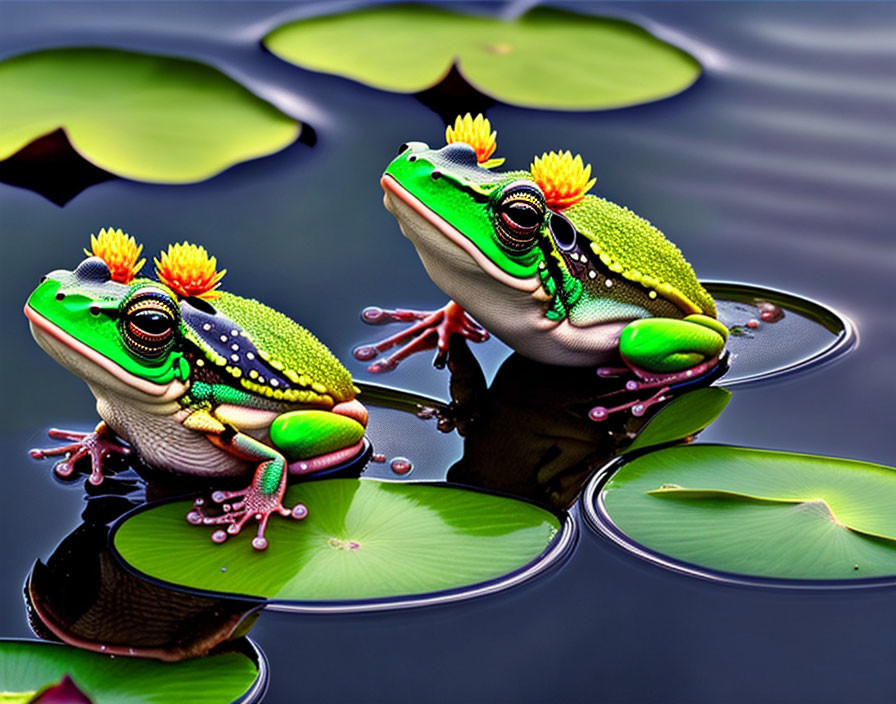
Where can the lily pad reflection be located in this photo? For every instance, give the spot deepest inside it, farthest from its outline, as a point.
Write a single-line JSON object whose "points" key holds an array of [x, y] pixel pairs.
{"points": [[363, 540], [26, 667], [734, 512]]}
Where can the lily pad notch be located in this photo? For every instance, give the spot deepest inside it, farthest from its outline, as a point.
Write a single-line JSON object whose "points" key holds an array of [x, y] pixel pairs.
{"points": [[546, 59], [366, 545], [747, 516], [139, 116]]}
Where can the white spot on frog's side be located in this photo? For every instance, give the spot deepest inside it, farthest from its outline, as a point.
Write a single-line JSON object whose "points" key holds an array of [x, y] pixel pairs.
{"points": [[592, 274], [235, 357], [608, 283], [274, 382], [250, 355], [234, 347], [223, 338], [234, 332], [207, 327]]}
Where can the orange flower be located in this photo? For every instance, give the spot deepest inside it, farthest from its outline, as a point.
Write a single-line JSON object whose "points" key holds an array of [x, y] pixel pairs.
{"points": [[477, 132], [120, 251], [188, 270], [562, 177]]}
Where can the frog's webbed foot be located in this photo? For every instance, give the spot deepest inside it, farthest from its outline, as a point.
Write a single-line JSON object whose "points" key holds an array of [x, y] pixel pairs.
{"points": [[96, 445], [429, 330], [252, 502]]}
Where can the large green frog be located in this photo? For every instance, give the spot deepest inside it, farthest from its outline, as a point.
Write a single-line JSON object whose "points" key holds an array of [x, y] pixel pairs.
{"points": [[561, 277], [216, 388]]}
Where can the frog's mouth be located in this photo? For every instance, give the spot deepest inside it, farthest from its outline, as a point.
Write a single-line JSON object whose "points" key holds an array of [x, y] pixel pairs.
{"points": [[401, 203], [51, 338]]}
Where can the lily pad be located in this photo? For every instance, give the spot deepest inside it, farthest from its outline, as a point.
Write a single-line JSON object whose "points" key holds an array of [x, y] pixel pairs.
{"points": [[683, 416], [139, 116], [362, 540], [547, 58], [716, 509], [791, 334], [29, 666]]}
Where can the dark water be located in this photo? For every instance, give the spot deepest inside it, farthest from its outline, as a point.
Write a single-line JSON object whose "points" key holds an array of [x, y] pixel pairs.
{"points": [[777, 168]]}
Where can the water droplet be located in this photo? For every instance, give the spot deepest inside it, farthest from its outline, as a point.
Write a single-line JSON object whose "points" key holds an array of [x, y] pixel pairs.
{"points": [[401, 466], [752, 323], [223, 569], [219, 536], [299, 511], [377, 457]]}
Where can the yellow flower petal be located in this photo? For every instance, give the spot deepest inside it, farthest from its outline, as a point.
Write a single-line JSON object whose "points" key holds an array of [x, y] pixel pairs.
{"points": [[188, 270], [477, 132], [563, 178], [120, 251]]}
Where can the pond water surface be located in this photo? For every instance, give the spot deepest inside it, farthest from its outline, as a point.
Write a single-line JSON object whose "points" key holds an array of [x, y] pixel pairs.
{"points": [[777, 168]]}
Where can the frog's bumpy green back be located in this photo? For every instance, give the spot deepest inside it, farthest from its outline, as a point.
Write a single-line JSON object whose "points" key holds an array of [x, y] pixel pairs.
{"points": [[630, 246], [288, 343]]}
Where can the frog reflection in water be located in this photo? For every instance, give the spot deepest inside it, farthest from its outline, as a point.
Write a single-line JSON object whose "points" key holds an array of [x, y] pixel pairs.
{"points": [[560, 276], [197, 380], [528, 433]]}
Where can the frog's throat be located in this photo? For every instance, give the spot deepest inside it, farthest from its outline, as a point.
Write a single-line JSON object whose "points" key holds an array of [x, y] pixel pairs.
{"points": [[163, 392], [395, 189]]}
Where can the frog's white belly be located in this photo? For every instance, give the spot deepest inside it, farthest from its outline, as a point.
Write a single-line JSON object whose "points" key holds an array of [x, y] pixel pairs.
{"points": [[162, 442], [513, 310]]}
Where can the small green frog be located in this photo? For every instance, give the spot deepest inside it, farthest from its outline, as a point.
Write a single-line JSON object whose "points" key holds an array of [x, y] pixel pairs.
{"points": [[198, 381], [560, 276]]}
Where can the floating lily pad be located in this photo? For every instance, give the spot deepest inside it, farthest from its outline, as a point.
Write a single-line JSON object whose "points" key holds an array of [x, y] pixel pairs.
{"points": [[29, 666], [362, 540], [547, 58], [139, 116], [755, 513], [795, 334]]}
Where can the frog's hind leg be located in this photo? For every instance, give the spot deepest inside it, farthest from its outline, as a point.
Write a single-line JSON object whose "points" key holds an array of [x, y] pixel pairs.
{"points": [[430, 330], [661, 353], [262, 498]]}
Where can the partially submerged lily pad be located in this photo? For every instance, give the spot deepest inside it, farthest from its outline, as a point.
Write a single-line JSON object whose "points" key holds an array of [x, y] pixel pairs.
{"points": [[547, 58], [756, 513], [684, 416], [139, 116], [362, 540], [27, 667]]}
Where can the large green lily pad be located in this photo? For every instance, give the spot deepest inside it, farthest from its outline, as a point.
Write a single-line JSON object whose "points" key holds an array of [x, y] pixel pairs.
{"points": [[362, 540], [29, 666], [545, 59], [756, 512], [139, 116]]}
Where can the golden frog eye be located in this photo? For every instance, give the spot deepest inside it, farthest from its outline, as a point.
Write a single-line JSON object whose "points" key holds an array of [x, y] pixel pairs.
{"points": [[149, 323], [519, 216]]}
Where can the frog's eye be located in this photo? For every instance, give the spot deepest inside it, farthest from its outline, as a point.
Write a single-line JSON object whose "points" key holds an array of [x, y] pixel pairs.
{"points": [[149, 322], [519, 216]]}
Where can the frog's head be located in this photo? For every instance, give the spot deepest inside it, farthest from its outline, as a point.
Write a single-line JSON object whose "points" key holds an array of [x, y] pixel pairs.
{"points": [[121, 336], [449, 206]]}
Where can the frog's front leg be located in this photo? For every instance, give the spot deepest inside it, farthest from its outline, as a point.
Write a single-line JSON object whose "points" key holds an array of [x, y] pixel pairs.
{"points": [[661, 352], [260, 499], [430, 329], [97, 445]]}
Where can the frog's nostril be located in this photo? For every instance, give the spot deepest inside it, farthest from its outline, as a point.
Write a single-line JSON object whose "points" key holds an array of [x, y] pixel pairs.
{"points": [[93, 270]]}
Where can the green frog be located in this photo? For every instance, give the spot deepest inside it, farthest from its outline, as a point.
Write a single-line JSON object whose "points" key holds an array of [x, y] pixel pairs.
{"points": [[561, 277], [199, 382]]}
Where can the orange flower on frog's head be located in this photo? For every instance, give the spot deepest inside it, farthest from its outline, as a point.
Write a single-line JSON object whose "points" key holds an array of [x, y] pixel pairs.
{"points": [[563, 178], [188, 270], [478, 133], [119, 251]]}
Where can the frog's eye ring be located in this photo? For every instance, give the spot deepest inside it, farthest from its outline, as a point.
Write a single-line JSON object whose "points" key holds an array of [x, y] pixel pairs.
{"points": [[519, 216], [149, 323]]}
